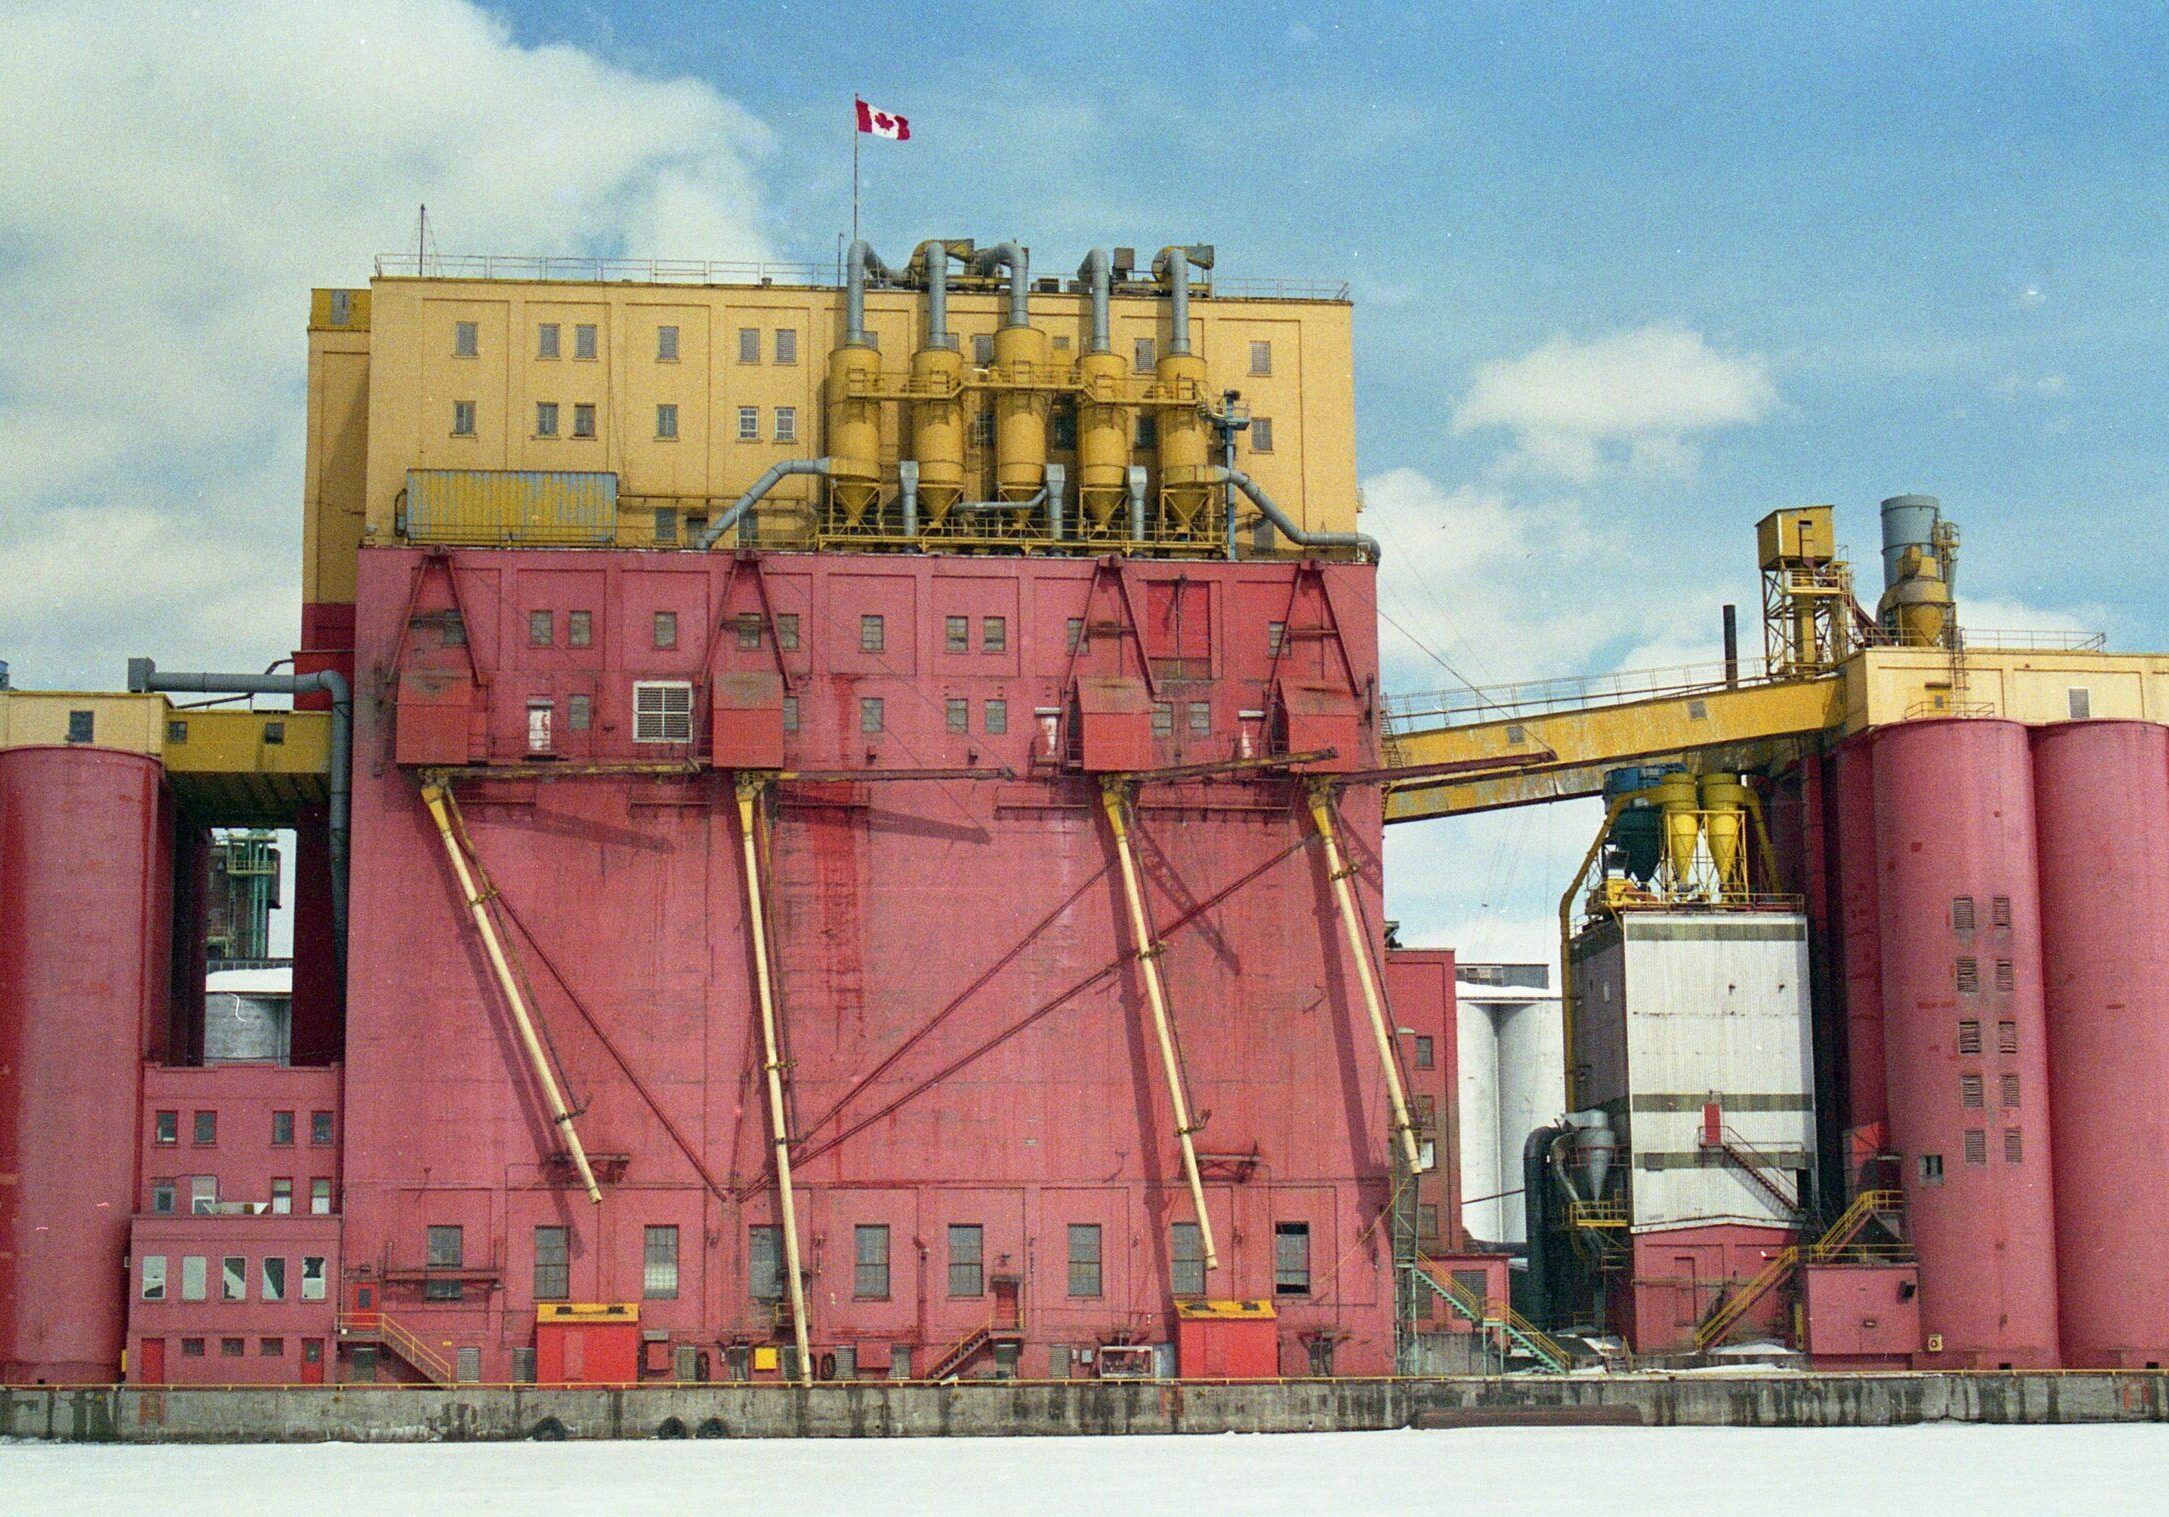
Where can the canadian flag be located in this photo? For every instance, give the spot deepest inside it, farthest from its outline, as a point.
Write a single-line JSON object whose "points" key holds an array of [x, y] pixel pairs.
{"points": [[882, 123]]}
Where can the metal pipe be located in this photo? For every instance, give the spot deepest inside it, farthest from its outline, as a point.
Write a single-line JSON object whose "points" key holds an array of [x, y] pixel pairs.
{"points": [[1732, 644], [933, 256], [750, 792], [862, 261], [143, 676], [907, 484], [439, 800], [1018, 260], [1114, 796], [1172, 268], [775, 475], [1344, 897], [1137, 478], [1363, 542], [1097, 272]]}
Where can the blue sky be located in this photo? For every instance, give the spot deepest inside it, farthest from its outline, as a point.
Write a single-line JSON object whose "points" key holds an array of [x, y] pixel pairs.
{"points": [[1627, 277]]}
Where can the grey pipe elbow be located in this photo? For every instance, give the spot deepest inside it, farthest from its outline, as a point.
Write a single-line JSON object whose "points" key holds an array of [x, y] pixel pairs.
{"points": [[1018, 260], [1362, 542], [776, 474], [1097, 272], [862, 262]]}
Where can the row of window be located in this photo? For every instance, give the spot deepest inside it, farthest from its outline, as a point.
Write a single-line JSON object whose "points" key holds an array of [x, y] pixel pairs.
{"points": [[166, 1128], [1973, 1091], [1962, 913], [1969, 1037], [203, 1195], [1976, 1150], [272, 1282], [1967, 972], [549, 342], [312, 1349], [748, 628]]}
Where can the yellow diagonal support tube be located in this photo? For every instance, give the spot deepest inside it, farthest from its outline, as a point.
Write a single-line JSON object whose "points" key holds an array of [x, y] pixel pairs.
{"points": [[1114, 795], [442, 810], [750, 790], [1344, 899]]}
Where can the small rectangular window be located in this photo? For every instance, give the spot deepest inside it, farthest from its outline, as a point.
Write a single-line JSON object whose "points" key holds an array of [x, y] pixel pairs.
{"points": [[546, 340], [1999, 911], [1931, 1169], [1969, 976], [666, 422], [786, 345], [983, 350], [202, 1194], [191, 1348], [320, 1129], [541, 629], [662, 711], [957, 714], [666, 524], [749, 423], [232, 1348], [1969, 1037], [579, 711], [447, 1247], [282, 1128], [1065, 425], [195, 1277], [583, 420], [997, 713], [993, 634], [666, 344], [1976, 1146], [1144, 355], [786, 424], [1073, 632], [466, 339], [545, 418], [463, 418], [82, 726], [320, 1196], [1261, 358], [1427, 1223], [666, 629], [1186, 1259], [746, 630], [206, 1129], [787, 630], [166, 1127], [1261, 434], [1970, 1092], [1148, 432], [2007, 1037], [764, 1262], [956, 634], [790, 713], [233, 1282], [553, 1264], [583, 340], [154, 1277], [282, 1196], [271, 1348], [312, 1278], [1200, 715], [523, 1366], [2081, 703], [164, 1195], [870, 714], [1425, 1052], [1163, 719], [1291, 1258], [873, 634], [1962, 913], [749, 344], [2014, 1148], [2010, 1090], [274, 1279], [870, 1261], [659, 1264], [1084, 1259], [967, 1259], [1276, 633], [579, 629], [2006, 975]]}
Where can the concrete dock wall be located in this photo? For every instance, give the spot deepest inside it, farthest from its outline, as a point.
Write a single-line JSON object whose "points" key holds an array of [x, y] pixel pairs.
{"points": [[873, 1409]]}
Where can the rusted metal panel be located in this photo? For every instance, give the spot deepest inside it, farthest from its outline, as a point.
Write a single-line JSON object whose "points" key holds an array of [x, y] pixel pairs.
{"points": [[528, 507]]}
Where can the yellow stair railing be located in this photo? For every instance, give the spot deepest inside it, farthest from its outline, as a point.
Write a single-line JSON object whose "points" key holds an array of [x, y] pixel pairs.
{"points": [[384, 1327], [1838, 1242], [1499, 1318]]}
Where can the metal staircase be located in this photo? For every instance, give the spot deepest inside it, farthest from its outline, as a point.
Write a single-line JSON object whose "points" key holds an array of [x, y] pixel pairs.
{"points": [[1841, 1241], [1498, 1320], [383, 1329]]}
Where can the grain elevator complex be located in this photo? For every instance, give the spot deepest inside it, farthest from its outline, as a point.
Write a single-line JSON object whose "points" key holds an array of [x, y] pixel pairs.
{"points": [[838, 835]]}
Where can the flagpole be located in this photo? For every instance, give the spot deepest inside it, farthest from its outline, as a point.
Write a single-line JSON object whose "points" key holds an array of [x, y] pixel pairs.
{"points": [[855, 135]]}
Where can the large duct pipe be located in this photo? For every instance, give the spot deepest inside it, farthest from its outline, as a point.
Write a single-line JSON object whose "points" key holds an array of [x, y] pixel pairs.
{"points": [[1098, 272], [1014, 257], [863, 260], [1172, 268], [775, 475], [1363, 542], [931, 258], [1103, 421], [143, 676]]}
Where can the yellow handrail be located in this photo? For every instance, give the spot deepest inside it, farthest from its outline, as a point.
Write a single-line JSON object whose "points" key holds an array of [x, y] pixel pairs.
{"points": [[1722, 1320], [409, 1347]]}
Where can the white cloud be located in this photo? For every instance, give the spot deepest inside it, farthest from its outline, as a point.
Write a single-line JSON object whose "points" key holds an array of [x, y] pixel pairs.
{"points": [[1637, 398], [177, 181]]}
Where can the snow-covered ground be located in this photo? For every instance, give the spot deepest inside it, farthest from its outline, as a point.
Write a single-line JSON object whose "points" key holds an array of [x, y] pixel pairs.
{"points": [[1619, 1472]]}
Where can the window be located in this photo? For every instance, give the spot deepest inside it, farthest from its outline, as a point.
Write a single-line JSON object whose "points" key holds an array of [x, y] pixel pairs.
{"points": [[2081, 701], [583, 340], [282, 1124], [2014, 1148], [786, 345], [163, 1197], [749, 423], [983, 350], [553, 1264], [312, 1277], [320, 1196], [463, 418], [1163, 719], [1065, 425], [666, 344], [1969, 976], [1073, 631], [666, 629], [271, 1348], [195, 1277], [956, 634], [1261, 358], [790, 713], [2010, 1090], [202, 1194], [967, 1259], [320, 1129], [1084, 1258], [467, 1364], [282, 1197], [2006, 976], [659, 1264], [1999, 911], [466, 339], [1148, 432], [274, 1279], [1276, 633], [1970, 1092], [1969, 1037], [579, 711], [787, 630], [764, 1262], [523, 1366], [579, 629], [206, 1130], [154, 1277], [1200, 715], [1291, 1258], [1144, 355], [749, 344], [1186, 1259], [447, 1247], [993, 634], [957, 714], [786, 424], [82, 726], [1976, 1146], [1425, 1052], [1427, 1223], [583, 419], [870, 714], [997, 717], [166, 1127], [870, 1255], [1261, 434], [1962, 913], [232, 1348], [191, 1348], [2007, 1037], [873, 634], [662, 711], [545, 418], [666, 421], [546, 340], [233, 1284], [541, 633]]}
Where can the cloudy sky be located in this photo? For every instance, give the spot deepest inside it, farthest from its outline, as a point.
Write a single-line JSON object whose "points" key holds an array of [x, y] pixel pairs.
{"points": [[1627, 277]]}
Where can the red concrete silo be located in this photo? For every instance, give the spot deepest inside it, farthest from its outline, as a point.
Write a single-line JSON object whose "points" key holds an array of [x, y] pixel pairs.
{"points": [[85, 869], [1962, 1015], [2101, 794]]}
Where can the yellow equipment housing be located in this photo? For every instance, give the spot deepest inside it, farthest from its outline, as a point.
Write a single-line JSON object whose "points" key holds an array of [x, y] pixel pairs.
{"points": [[1103, 439], [854, 430], [1021, 401], [1185, 440], [937, 429]]}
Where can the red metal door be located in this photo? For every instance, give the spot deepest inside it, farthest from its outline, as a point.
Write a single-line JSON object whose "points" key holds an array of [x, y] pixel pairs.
{"points": [[312, 1361], [151, 1364]]}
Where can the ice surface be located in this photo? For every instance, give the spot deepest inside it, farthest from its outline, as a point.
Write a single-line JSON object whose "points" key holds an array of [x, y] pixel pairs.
{"points": [[1495, 1472]]}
